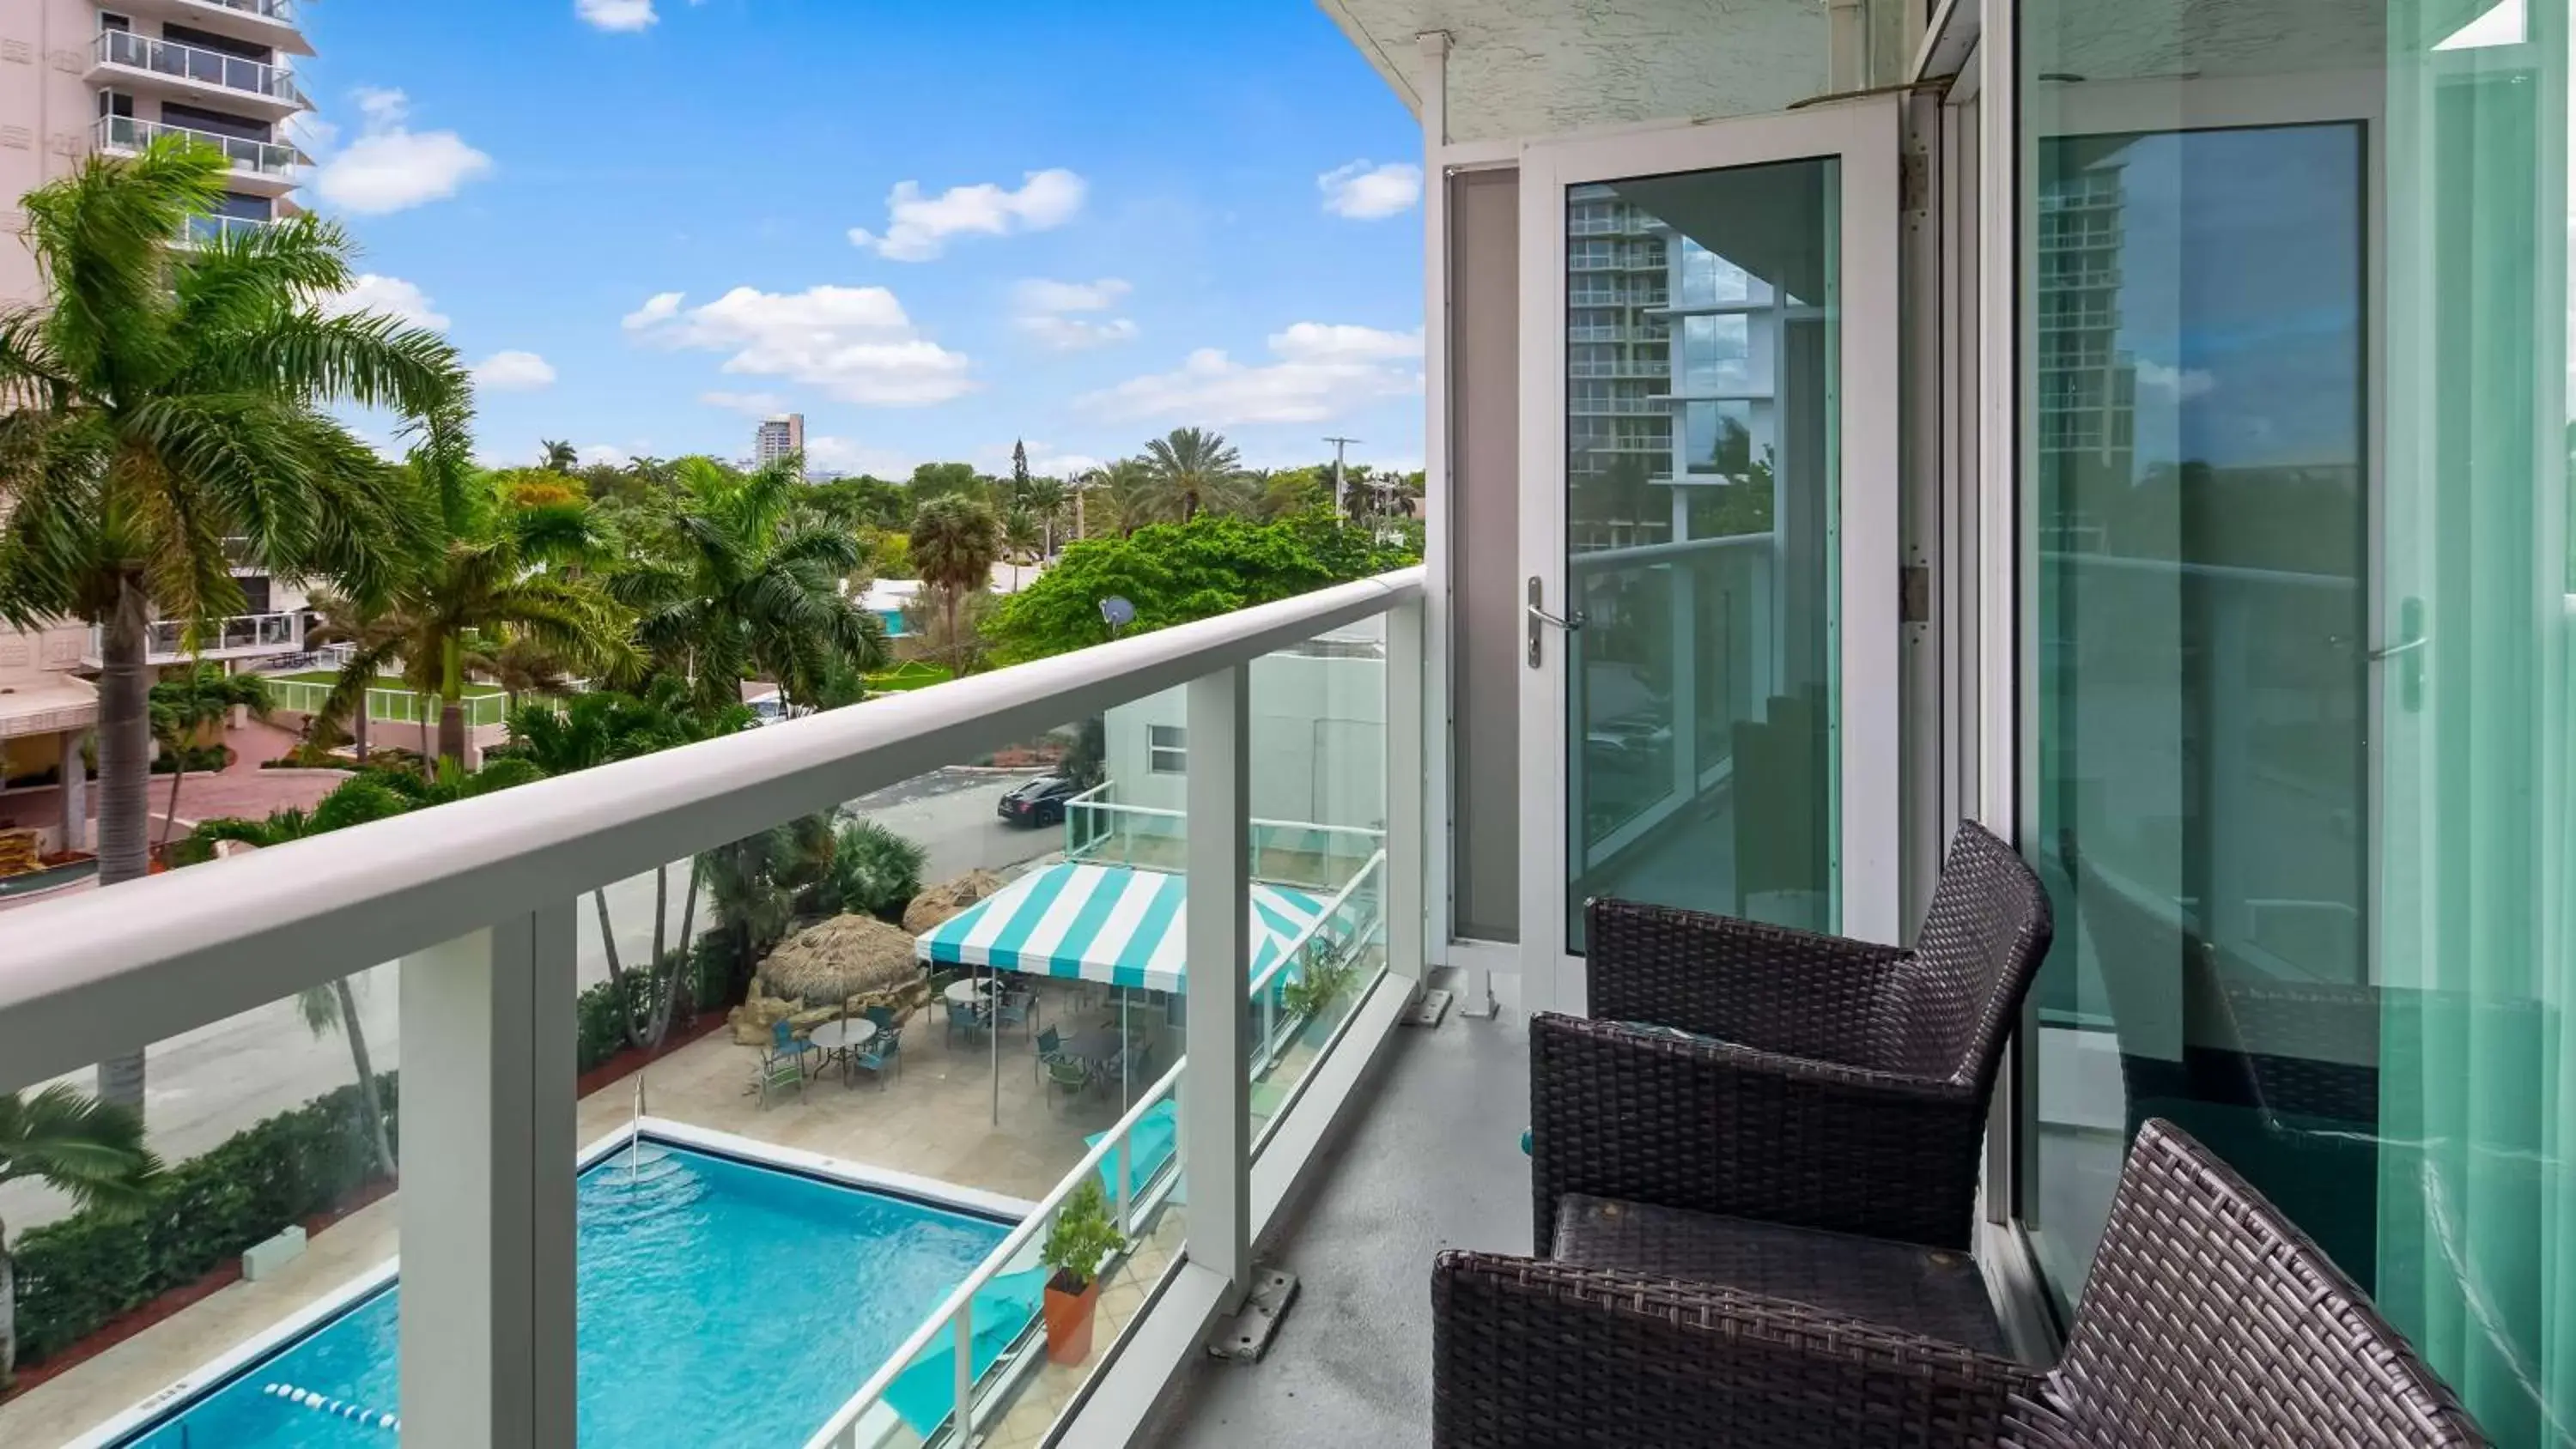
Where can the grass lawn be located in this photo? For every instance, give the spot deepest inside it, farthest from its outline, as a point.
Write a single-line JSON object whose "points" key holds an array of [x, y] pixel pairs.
{"points": [[327, 677], [913, 674]]}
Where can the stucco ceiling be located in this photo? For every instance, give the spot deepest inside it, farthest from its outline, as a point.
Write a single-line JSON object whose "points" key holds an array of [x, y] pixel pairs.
{"points": [[1542, 67]]}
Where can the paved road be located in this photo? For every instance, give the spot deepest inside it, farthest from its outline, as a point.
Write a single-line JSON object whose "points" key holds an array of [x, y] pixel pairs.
{"points": [[220, 1078]]}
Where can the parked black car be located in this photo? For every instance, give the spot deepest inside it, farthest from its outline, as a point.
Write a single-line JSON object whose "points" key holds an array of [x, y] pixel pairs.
{"points": [[1038, 802]]}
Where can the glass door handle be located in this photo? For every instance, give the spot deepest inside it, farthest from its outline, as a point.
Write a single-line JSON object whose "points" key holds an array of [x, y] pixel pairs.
{"points": [[2393, 650], [2410, 670], [1538, 615]]}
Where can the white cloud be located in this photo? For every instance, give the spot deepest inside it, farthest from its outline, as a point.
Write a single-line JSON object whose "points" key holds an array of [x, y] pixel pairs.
{"points": [[514, 371], [617, 15], [1363, 191], [1047, 313], [2181, 383], [391, 296], [382, 108], [918, 227], [856, 343], [754, 404], [660, 307], [608, 453], [844, 455], [1044, 460], [389, 167], [1321, 371]]}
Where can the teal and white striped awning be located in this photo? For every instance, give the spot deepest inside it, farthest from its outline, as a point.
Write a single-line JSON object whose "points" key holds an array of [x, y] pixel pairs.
{"points": [[1109, 923]]}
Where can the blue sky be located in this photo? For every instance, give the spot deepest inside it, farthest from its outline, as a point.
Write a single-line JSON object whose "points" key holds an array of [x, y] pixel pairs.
{"points": [[1112, 220]]}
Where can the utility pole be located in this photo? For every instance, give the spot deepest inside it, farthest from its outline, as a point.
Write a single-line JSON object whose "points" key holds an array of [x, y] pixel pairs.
{"points": [[1339, 444]]}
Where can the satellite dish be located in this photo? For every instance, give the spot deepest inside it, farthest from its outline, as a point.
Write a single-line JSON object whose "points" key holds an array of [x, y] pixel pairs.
{"points": [[1118, 612]]}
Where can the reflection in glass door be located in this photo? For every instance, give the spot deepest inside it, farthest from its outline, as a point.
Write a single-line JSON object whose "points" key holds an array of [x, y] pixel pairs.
{"points": [[1701, 540]]}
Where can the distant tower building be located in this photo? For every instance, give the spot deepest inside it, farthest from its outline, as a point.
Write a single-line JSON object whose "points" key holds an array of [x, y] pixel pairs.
{"points": [[779, 437]]}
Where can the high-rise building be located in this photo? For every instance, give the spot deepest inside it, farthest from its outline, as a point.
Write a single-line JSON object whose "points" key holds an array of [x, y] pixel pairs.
{"points": [[779, 437], [77, 78]]}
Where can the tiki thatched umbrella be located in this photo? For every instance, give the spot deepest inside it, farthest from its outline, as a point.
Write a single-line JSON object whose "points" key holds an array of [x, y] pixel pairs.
{"points": [[840, 958]]}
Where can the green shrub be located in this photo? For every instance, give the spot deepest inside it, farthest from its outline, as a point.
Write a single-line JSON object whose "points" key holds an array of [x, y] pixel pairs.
{"points": [[875, 872], [598, 1033], [76, 1274]]}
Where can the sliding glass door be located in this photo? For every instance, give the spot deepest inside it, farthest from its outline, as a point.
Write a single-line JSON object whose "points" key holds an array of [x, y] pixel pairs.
{"points": [[2297, 622]]}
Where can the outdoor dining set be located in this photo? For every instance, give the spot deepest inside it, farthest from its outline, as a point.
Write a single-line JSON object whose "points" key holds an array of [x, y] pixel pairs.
{"points": [[1754, 1171], [871, 1041]]}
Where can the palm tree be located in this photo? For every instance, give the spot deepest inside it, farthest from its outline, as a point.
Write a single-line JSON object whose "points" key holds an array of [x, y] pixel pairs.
{"points": [[345, 621], [753, 883], [91, 1151], [325, 1008], [1194, 469], [1127, 487], [955, 542], [560, 457], [750, 585], [599, 726], [1046, 498], [1020, 540], [184, 708], [161, 400], [487, 585], [522, 666]]}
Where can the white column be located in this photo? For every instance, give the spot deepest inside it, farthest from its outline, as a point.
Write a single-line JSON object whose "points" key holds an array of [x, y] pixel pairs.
{"points": [[1216, 1095], [1408, 845], [487, 1187]]}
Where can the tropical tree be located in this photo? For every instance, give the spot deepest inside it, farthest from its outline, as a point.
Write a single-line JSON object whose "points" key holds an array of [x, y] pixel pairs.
{"points": [[954, 545], [753, 885], [184, 708], [489, 583], [1046, 497], [1020, 540], [750, 585], [324, 1009], [599, 726], [560, 457], [1193, 469], [90, 1151], [1127, 489], [158, 401], [346, 621], [875, 872], [523, 665]]}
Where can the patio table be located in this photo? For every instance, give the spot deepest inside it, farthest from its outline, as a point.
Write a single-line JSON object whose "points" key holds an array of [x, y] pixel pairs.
{"points": [[966, 994], [1098, 1047], [843, 1038]]}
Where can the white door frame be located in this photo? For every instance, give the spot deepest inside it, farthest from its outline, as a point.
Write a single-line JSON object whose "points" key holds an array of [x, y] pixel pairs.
{"points": [[1864, 135]]}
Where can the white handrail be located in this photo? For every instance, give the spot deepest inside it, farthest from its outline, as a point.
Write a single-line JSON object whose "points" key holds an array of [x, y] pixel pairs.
{"points": [[994, 1262], [1642, 554], [1298, 942], [85, 977]]}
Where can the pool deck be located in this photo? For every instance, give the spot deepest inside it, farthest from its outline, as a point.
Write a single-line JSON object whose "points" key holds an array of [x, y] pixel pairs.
{"points": [[933, 1120]]}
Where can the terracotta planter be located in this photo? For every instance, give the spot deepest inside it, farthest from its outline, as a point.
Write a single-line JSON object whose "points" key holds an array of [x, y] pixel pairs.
{"points": [[1068, 1320]]}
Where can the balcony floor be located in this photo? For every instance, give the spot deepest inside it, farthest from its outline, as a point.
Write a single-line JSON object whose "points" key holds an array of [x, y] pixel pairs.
{"points": [[1433, 1161]]}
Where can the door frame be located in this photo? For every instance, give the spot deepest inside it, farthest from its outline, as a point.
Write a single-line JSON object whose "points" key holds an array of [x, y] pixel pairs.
{"points": [[1864, 134]]}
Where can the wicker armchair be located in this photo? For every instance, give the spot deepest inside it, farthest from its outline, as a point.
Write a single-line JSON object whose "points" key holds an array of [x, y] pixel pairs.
{"points": [[2208, 1319], [1831, 1084]]}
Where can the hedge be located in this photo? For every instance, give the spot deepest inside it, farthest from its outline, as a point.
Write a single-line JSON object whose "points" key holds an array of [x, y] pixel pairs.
{"points": [[76, 1274], [598, 1036]]}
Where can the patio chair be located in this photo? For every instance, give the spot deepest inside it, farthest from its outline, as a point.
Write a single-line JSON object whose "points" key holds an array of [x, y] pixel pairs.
{"points": [[883, 1054], [2207, 1319], [1050, 1048], [1073, 1076], [782, 1062], [881, 1017], [1774, 1076], [1017, 1006]]}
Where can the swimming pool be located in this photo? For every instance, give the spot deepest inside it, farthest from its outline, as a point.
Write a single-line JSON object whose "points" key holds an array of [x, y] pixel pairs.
{"points": [[722, 1303]]}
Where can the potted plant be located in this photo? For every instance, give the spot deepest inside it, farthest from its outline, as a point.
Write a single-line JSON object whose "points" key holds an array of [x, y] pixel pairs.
{"points": [[1081, 1240], [1312, 994]]}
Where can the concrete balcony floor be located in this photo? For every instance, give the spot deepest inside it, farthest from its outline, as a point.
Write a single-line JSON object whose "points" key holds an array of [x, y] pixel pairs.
{"points": [[1431, 1159]]}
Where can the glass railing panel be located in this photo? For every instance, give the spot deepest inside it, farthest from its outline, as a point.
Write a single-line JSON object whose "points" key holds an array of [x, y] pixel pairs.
{"points": [[1318, 863]]}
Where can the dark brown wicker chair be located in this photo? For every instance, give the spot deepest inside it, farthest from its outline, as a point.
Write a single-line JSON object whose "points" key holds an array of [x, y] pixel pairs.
{"points": [[1832, 1084], [2208, 1320]]}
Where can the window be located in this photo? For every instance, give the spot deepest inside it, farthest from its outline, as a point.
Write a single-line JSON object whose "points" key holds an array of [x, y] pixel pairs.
{"points": [[1167, 750]]}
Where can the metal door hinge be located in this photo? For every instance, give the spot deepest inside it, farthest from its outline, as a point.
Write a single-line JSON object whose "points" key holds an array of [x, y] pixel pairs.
{"points": [[1914, 594], [1913, 181]]}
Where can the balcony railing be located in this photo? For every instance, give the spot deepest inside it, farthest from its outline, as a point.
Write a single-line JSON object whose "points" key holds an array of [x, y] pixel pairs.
{"points": [[281, 11], [166, 640], [260, 158], [189, 62], [479, 904], [198, 231]]}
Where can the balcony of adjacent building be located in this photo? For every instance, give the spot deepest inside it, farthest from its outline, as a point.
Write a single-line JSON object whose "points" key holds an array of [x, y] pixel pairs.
{"points": [[239, 636], [273, 23], [147, 64], [259, 168]]}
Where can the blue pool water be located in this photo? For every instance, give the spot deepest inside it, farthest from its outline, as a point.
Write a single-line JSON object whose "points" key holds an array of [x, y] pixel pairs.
{"points": [[722, 1305]]}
